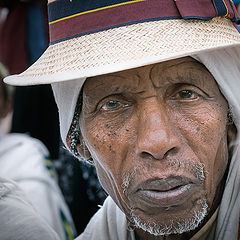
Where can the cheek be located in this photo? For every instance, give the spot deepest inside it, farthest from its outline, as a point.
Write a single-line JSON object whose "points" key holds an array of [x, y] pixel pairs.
{"points": [[107, 142], [206, 134], [213, 139], [112, 184], [204, 128], [221, 159], [108, 137], [108, 183], [102, 141], [215, 167]]}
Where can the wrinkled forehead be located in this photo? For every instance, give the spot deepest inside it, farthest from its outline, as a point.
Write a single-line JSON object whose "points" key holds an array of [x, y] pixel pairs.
{"points": [[159, 75]]}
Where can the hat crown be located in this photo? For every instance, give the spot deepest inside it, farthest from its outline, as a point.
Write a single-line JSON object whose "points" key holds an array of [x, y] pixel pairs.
{"points": [[73, 18]]}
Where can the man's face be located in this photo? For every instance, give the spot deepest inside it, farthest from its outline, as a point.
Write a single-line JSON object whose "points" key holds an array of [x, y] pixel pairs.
{"points": [[158, 137]]}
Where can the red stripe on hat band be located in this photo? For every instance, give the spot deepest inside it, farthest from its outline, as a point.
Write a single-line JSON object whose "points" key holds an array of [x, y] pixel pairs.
{"points": [[97, 20]]}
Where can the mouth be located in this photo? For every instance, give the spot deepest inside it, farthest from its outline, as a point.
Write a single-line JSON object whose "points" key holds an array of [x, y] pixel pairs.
{"points": [[166, 192]]}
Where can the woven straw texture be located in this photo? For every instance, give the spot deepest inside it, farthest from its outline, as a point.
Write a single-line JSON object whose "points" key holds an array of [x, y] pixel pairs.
{"points": [[127, 47]]}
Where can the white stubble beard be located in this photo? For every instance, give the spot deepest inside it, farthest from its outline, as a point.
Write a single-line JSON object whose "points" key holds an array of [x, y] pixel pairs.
{"points": [[179, 227]]}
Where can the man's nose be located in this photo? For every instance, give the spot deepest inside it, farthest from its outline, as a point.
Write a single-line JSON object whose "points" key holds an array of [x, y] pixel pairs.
{"points": [[157, 134]]}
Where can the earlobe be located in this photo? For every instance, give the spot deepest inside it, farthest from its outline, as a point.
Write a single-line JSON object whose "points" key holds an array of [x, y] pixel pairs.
{"points": [[83, 149]]}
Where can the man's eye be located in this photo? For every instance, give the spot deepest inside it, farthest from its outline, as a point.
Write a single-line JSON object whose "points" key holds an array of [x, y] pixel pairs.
{"points": [[187, 94], [111, 105]]}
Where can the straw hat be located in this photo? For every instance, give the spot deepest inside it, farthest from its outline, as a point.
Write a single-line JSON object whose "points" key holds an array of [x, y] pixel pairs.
{"points": [[89, 38]]}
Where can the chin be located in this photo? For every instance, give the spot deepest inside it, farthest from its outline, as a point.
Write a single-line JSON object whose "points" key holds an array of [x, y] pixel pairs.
{"points": [[170, 223]]}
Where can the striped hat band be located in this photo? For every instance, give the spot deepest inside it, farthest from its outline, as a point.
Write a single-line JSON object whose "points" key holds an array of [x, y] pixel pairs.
{"points": [[74, 18]]}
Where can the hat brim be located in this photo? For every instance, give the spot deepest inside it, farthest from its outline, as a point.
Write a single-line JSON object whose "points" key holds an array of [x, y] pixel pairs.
{"points": [[127, 47]]}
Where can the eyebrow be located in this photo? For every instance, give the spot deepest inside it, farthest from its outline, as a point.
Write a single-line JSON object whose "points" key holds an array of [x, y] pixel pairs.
{"points": [[181, 62], [198, 76], [108, 79]]}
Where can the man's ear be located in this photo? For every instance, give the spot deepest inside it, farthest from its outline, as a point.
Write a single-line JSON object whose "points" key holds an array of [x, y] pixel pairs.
{"points": [[83, 149]]}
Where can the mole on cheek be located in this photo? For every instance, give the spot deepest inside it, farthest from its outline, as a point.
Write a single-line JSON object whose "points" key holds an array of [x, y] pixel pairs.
{"points": [[198, 128], [107, 125]]}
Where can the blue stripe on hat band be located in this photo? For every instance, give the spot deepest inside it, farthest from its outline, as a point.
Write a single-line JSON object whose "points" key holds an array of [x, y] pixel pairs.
{"points": [[221, 7], [64, 8]]}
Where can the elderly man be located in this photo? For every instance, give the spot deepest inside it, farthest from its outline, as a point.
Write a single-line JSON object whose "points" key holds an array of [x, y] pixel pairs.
{"points": [[147, 90]]}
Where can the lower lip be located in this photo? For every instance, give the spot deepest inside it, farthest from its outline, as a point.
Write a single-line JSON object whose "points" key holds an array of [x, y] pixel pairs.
{"points": [[166, 198]]}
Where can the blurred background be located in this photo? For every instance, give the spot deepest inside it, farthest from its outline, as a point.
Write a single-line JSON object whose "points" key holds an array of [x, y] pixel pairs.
{"points": [[23, 38]]}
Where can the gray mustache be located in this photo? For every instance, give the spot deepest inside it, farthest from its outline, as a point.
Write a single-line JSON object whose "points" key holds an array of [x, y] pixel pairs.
{"points": [[196, 169]]}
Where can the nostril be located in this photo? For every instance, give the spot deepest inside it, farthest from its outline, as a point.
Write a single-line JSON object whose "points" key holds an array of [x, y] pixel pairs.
{"points": [[145, 155], [157, 155], [170, 151]]}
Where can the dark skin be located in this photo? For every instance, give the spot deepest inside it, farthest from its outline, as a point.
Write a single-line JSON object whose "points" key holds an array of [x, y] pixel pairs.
{"points": [[156, 126]]}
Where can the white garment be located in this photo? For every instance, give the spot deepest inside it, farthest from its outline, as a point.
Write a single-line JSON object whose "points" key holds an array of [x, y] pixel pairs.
{"points": [[23, 159], [109, 223], [18, 219], [224, 66]]}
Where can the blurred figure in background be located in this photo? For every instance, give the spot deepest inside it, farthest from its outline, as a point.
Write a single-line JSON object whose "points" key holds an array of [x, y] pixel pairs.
{"points": [[20, 46], [26, 161], [6, 103], [18, 219], [35, 111]]}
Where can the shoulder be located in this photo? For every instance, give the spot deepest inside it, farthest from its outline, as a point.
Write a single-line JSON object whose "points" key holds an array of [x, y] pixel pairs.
{"points": [[20, 220], [22, 157], [21, 148], [19, 141]]}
